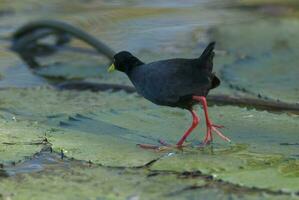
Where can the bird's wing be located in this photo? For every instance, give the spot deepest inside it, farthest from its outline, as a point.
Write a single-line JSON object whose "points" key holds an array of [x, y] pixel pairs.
{"points": [[169, 80]]}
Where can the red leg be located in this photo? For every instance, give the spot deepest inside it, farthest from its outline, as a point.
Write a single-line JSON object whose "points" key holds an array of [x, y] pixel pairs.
{"points": [[180, 142], [187, 133], [210, 126]]}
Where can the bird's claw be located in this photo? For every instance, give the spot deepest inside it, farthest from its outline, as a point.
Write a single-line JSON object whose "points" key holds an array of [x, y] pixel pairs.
{"points": [[213, 127]]}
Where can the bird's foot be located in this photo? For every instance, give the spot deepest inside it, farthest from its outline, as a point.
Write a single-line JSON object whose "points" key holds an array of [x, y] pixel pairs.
{"points": [[209, 137]]}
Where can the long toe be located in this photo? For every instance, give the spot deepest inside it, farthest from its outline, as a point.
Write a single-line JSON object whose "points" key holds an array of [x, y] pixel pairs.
{"points": [[214, 127], [217, 126], [220, 134]]}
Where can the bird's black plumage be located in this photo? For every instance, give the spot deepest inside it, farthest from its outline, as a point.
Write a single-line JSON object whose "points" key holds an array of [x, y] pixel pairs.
{"points": [[170, 82]]}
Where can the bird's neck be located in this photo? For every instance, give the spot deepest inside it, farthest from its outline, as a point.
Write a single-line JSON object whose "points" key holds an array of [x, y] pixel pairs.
{"points": [[133, 66]]}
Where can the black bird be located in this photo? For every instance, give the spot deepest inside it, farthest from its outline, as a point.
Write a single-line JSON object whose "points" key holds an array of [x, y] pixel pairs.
{"points": [[175, 82]]}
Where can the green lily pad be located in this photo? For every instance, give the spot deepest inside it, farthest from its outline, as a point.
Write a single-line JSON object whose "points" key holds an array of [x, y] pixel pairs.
{"points": [[91, 139], [19, 139], [267, 67], [108, 136], [80, 179]]}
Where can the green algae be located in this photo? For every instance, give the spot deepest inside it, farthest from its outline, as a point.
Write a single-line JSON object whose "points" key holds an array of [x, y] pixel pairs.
{"points": [[290, 168], [260, 161]]}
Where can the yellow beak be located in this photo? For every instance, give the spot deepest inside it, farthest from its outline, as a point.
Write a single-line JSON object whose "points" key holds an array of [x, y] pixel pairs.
{"points": [[111, 68]]}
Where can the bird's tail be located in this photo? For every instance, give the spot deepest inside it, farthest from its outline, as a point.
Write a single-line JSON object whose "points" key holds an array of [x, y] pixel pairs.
{"points": [[206, 58]]}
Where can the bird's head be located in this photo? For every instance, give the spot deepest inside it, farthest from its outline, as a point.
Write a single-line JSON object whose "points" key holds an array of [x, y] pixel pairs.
{"points": [[124, 61]]}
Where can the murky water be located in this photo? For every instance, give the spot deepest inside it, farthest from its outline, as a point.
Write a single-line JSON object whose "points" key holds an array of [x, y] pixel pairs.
{"points": [[256, 55]]}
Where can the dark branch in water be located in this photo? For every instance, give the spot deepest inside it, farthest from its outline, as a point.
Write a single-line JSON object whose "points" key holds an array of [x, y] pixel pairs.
{"points": [[259, 104], [290, 144], [25, 40], [95, 87]]}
